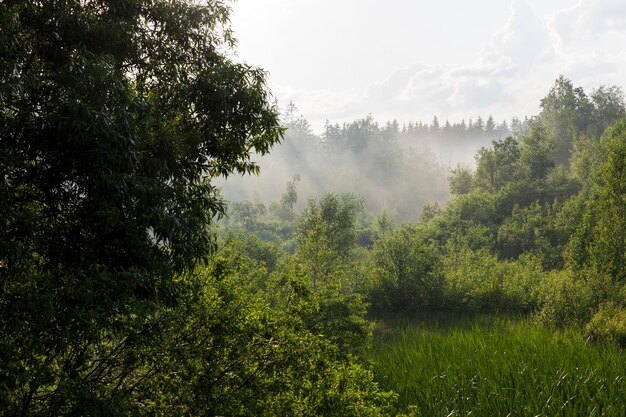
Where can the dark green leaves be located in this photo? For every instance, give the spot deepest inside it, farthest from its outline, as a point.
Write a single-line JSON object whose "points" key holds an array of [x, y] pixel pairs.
{"points": [[114, 117]]}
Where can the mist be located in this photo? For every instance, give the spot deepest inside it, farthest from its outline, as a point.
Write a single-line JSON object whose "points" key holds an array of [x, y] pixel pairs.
{"points": [[394, 168]]}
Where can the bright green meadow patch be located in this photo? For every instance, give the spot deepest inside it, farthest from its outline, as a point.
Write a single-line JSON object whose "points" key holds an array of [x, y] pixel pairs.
{"points": [[448, 365]]}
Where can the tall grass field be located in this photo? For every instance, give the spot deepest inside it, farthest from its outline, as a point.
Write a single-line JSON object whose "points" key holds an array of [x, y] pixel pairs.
{"points": [[450, 365]]}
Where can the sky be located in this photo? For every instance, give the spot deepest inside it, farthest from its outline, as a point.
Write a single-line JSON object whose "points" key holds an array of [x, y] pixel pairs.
{"points": [[339, 60]]}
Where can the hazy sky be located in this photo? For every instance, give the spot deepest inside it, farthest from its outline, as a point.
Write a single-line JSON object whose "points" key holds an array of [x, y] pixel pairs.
{"points": [[412, 59]]}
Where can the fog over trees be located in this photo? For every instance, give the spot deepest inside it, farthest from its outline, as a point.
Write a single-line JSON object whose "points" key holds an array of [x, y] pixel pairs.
{"points": [[403, 167], [427, 268]]}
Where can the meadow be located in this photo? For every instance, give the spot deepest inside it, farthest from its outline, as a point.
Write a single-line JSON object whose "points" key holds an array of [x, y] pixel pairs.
{"points": [[488, 365]]}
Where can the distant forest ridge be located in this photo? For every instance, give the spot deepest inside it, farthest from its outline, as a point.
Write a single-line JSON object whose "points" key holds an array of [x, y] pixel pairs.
{"points": [[474, 127]]}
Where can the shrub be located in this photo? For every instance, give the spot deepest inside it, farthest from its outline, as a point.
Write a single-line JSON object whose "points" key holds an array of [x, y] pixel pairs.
{"points": [[609, 322], [405, 272], [478, 281], [234, 350], [569, 297]]}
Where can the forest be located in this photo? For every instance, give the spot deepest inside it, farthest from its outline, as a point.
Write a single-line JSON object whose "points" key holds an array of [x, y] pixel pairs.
{"points": [[418, 269]]}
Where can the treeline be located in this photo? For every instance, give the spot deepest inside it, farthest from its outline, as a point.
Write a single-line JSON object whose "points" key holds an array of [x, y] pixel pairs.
{"points": [[392, 168], [459, 130], [474, 128]]}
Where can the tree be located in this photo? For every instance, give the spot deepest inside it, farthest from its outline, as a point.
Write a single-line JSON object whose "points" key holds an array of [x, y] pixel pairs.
{"points": [[463, 127], [446, 131], [532, 229], [392, 128], [460, 181], [516, 126], [296, 122], [479, 126], [587, 159], [503, 130], [536, 153], [326, 234], [498, 165], [610, 246], [246, 214], [358, 135], [608, 108], [566, 112], [435, 128], [490, 126], [284, 209], [599, 238], [406, 272], [114, 118]]}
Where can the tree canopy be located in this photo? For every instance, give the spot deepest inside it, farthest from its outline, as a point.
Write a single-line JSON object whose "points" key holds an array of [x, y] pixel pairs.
{"points": [[114, 117]]}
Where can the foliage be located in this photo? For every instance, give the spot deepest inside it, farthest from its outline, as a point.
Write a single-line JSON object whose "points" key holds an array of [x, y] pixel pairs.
{"points": [[608, 108], [496, 166], [570, 298], [610, 246], [524, 235], [359, 157], [533, 230], [253, 218], [478, 281], [535, 148], [326, 234], [588, 156], [608, 324], [460, 181], [598, 241], [327, 308], [429, 212], [567, 112], [267, 254], [284, 210], [407, 273], [114, 118], [246, 215], [230, 351], [335, 215]]}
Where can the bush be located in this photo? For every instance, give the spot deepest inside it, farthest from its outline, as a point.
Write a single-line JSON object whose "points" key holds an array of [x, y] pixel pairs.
{"points": [[234, 350], [478, 281], [329, 308], [570, 298], [532, 229], [608, 323], [406, 273]]}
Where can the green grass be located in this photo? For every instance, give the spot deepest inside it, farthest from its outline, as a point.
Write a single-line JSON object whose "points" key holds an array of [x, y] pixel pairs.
{"points": [[450, 365]]}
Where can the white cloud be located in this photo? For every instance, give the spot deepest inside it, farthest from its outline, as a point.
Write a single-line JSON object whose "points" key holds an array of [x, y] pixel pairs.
{"points": [[490, 85], [590, 41], [522, 43], [590, 22], [478, 93], [514, 70]]}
